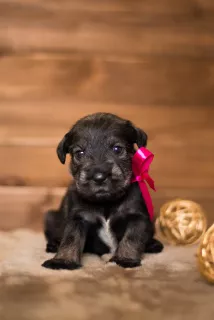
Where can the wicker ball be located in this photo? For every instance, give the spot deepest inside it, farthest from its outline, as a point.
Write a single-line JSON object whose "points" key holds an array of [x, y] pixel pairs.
{"points": [[206, 255], [181, 222]]}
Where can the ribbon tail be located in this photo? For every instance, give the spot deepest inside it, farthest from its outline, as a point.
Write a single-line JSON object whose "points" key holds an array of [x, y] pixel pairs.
{"points": [[150, 181], [147, 199]]}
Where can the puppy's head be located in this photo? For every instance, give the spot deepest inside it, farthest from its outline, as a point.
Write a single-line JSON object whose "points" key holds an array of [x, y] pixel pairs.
{"points": [[101, 147]]}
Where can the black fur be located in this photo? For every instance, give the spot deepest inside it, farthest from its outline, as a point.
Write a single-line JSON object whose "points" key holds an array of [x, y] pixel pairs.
{"points": [[101, 147]]}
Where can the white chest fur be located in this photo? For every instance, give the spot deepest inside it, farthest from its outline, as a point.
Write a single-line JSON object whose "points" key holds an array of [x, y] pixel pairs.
{"points": [[106, 235]]}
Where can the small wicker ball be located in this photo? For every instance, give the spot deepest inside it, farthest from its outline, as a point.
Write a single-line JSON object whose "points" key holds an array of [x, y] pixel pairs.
{"points": [[181, 222], [206, 255]]}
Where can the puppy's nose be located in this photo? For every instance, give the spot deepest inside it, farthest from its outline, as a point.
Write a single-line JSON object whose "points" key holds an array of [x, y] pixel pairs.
{"points": [[99, 177]]}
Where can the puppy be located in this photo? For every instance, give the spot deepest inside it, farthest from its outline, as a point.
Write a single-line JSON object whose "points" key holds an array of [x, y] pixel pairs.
{"points": [[101, 146]]}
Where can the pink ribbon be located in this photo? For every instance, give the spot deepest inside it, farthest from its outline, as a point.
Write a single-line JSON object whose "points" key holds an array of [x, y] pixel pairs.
{"points": [[140, 166]]}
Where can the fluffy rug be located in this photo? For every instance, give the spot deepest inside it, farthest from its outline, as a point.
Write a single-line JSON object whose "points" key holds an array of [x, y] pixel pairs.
{"points": [[167, 286]]}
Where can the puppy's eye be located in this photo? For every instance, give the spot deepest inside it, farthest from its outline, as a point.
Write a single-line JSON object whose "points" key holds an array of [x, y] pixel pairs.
{"points": [[79, 154], [118, 149]]}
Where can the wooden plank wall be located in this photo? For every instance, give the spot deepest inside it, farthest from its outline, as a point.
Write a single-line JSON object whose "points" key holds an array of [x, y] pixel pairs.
{"points": [[150, 61]]}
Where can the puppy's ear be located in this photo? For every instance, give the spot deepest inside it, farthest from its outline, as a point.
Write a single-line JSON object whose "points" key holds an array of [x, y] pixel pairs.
{"points": [[63, 147], [137, 135], [141, 138]]}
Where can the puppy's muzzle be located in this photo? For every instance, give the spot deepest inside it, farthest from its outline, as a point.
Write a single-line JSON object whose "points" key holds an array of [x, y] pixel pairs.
{"points": [[100, 177], [99, 174]]}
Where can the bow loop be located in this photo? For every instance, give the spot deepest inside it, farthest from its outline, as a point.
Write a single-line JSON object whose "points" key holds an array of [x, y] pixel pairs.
{"points": [[140, 166]]}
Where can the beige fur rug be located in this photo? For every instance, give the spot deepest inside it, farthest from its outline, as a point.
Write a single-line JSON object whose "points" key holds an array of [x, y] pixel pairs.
{"points": [[167, 286]]}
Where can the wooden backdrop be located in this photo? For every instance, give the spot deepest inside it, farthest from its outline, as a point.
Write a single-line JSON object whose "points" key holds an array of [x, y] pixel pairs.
{"points": [[151, 61]]}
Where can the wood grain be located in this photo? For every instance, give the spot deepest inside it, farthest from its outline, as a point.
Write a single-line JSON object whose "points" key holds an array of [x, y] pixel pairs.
{"points": [[159, 27], [130, 80], [24, 207], [52, 118], [149, 7], [31, 203]]}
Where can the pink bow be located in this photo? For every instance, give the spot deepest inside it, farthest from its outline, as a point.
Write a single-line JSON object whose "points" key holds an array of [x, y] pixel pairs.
{"points": [[140, 167]]}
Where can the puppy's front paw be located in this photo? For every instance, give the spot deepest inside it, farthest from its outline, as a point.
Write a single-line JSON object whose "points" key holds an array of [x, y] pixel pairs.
{"points": [[126, 263], [57, 264]]}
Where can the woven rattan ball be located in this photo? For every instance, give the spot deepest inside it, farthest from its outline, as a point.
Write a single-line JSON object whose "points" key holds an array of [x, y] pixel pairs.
{"points": [[181, 222], [206, 255]]}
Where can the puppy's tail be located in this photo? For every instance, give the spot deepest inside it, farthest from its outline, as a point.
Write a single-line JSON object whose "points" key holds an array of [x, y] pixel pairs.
{"points": [[154, 246]]}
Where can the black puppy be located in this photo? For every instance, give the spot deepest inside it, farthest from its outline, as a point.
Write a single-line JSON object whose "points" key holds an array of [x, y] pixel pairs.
{"points": [[101, 147]]}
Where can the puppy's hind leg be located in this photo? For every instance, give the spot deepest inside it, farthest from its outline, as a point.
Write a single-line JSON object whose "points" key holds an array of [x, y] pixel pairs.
{"points": [[52, 226], [154, 246]]}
